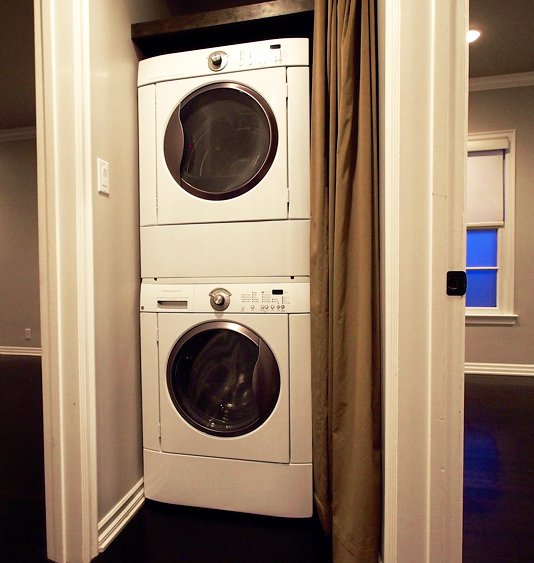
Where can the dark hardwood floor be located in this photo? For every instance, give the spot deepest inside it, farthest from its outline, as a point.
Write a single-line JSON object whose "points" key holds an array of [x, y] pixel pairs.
{"points": [[22, 520], [498, 490], [499, 470]]}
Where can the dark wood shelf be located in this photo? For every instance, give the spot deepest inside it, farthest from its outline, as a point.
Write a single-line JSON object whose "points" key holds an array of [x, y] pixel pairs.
{"points": [[253, 22]]}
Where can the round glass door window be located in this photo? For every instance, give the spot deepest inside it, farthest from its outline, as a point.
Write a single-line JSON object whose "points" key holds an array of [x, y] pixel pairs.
{"points": [[220, 141], [223, 378]]}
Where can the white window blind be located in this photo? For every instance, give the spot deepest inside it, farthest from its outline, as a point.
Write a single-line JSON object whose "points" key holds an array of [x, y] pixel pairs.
{"points": [[485, 188]]}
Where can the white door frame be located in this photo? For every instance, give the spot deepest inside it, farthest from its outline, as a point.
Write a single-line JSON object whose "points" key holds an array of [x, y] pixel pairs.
{"points": [[66, 276], [423, 132], [423, 66]]}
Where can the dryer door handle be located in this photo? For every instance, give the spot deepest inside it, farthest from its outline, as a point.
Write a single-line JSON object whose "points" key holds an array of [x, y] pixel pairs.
{"points": [[180, 144], [173, 145]]}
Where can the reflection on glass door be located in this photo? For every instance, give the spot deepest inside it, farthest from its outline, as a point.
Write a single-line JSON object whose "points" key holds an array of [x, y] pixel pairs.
{"points": [[220, 141], [223, 378]]}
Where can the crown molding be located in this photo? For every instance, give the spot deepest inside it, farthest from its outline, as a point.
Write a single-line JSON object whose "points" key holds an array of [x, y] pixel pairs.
{"points": [[501, 81]]}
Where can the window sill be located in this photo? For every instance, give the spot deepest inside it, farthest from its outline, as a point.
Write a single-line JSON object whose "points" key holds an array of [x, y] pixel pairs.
{"points": [[490, 319]]}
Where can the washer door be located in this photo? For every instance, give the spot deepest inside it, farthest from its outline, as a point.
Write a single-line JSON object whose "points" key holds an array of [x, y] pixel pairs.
{"points": [[223, 378], [220, 141]]}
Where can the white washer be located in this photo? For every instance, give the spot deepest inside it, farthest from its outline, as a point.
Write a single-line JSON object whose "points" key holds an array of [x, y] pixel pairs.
{"points": [[226, 394], [224, 134]]}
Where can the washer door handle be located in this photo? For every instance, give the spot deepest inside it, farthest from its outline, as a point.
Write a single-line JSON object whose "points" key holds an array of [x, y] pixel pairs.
{"points": [[265, 380]]}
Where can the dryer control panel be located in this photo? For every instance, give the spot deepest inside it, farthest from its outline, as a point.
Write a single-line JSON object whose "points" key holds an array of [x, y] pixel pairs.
{"points": [[224, 298], [283, 52]]}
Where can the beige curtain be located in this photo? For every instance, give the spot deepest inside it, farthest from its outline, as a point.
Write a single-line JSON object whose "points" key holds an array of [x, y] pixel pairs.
{"points": [[345, 280]]}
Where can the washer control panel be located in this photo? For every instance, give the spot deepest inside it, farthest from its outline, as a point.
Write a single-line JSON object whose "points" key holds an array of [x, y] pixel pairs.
{"points": [[274, 300], [293, 297]]}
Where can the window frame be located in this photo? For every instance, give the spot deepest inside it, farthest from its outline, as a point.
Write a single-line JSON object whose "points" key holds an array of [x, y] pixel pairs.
{"points": [[503, 313]]}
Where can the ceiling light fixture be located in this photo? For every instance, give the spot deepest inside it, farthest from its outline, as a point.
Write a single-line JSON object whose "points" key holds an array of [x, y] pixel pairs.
{"points": [[473, 35]]}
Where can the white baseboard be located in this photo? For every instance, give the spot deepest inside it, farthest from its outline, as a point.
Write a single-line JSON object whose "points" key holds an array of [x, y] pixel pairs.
{"points": [[115, 520], [17, 134], [19, 351], [522, 370]]}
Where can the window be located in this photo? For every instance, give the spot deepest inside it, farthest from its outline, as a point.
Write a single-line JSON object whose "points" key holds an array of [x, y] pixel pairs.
{"points": [[482, 267], [490, 211]]}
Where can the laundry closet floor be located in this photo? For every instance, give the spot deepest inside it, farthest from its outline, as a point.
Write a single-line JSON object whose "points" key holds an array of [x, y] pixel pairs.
{"points": [[161, 533]]}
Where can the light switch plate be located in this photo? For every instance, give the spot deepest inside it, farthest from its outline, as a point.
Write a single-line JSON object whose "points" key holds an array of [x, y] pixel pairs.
{"points": [[103, 176]]}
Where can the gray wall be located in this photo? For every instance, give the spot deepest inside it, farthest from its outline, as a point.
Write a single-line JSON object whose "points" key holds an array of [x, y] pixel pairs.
{"points": [[116, 244], [19, 277], [19, 265], [511, 108]]}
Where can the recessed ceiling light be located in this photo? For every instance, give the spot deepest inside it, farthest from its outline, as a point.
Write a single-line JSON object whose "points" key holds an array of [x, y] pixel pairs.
{"points": [[473, 35]]}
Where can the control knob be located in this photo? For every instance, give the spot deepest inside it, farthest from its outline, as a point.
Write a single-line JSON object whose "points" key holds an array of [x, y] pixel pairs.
{"points": [[217, 60], [219, 299]]}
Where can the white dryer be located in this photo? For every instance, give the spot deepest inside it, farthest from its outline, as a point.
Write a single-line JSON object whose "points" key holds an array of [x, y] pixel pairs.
{"points": [[226, 395], [224, 134]]}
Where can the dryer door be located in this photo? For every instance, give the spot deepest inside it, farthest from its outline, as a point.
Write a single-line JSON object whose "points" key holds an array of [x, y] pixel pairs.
{"points": [[220, 141], [221, 149], [223, 379]]}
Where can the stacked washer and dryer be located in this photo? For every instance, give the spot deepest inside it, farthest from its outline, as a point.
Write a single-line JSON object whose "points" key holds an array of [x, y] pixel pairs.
{"points": [[225, 301]]}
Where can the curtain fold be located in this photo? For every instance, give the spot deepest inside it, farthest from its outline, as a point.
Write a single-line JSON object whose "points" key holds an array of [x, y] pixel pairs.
{"points": [[345, 306]]}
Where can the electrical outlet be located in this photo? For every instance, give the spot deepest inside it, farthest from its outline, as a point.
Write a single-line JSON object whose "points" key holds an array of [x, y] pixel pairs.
{"points": [[28, 333]]}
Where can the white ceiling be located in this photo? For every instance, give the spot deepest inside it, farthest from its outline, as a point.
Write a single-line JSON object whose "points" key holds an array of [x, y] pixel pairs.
{"points": [[507, 42]]}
